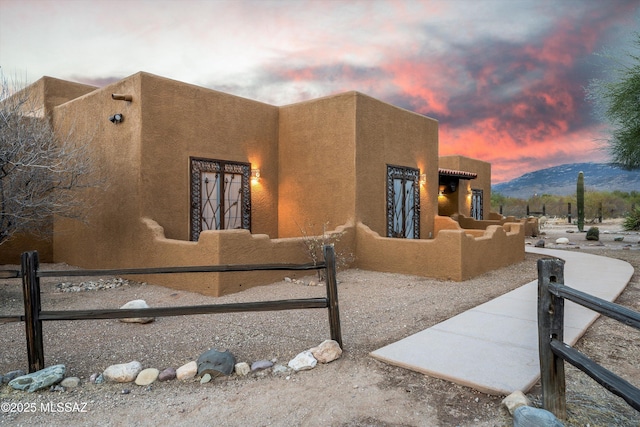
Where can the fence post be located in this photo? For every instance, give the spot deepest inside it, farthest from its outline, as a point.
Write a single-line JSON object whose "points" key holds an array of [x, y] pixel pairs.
{"points": [[569, 213], [33, 324], [332, 293], [600, 212], [551, 326]]}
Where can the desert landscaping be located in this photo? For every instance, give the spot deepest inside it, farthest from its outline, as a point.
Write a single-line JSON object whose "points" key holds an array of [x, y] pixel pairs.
{"points": [[355, 390]]}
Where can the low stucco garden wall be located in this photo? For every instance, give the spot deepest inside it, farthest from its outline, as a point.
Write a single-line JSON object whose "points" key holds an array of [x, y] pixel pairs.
{"points": [[452, 255]]}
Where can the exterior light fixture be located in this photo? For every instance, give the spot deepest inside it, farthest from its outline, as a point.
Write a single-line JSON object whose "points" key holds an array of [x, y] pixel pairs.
{"points": [[121, 97], [255, 175], [423, 179], [116, 118]]}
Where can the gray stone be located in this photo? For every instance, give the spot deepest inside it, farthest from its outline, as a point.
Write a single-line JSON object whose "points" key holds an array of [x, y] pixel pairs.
{"points": [[93, 377], [147, 376], [261, 364], [327, 352], [526, 416], [540, 243], [137, 303], [216, 363], [123, 372], [303, 361], [167, 374], [205, 378], [100, 379], [70, 382], [57, 387], [280, 369], [187, 371], [40, 379], [11, 375], [242, 368], [618, 239]]}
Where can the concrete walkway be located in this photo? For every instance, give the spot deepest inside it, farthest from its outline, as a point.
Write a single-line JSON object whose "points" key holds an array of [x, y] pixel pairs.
{"points": [[494, 347]]}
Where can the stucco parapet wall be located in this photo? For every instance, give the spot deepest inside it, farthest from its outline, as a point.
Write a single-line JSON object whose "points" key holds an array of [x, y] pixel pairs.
{"points": [[453, 254], [225, 247]]}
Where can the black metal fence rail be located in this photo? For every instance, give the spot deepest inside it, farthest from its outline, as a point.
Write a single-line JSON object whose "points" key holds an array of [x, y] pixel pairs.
{"points": [[554, 351], [34, 316]]}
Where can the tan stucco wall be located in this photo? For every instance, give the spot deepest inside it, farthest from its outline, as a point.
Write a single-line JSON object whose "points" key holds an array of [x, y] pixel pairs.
{"points": [[113, 208], [180, 121], [460, 200], [454, 254], [317, 165], [222, 248], [388, 135]]}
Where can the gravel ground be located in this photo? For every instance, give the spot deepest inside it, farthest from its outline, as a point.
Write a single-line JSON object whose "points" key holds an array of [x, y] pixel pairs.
{"points": [[355, 390]]}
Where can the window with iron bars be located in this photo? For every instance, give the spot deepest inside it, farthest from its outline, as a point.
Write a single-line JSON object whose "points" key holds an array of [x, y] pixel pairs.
{"points": [[220, 195], [403, 202]]}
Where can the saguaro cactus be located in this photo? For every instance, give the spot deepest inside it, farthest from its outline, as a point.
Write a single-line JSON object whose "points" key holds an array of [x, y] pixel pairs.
{"points": [[580, 197]]}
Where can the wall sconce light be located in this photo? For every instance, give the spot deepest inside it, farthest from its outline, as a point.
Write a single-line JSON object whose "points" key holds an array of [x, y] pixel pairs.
{"points": [[423, 179], [255, 175], [121, 97], [116, 118], [441, 189]]}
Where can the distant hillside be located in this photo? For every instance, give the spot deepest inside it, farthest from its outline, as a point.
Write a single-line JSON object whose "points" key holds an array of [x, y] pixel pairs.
{"points": [[561, 180]]}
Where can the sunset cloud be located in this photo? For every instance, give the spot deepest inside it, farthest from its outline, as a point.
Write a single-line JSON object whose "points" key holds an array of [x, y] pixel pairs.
{"points": [[504, 79]]}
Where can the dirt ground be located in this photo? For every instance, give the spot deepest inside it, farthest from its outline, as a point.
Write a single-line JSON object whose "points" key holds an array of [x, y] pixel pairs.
{"points": [[375, 309]]}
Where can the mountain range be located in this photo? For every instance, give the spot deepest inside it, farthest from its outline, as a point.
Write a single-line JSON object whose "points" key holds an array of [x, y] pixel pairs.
{"points": [[561, 180]]}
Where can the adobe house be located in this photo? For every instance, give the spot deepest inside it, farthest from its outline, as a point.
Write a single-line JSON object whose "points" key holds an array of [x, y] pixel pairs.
{"points": [[200, 177]]}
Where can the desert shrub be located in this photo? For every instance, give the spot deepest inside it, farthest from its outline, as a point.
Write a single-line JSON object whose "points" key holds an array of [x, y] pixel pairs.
{"points": [[314, 242], [593, 233], [632, 220]]}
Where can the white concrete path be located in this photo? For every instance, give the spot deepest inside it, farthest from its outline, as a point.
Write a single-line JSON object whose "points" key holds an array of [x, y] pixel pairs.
{"points": [[494, 347]]}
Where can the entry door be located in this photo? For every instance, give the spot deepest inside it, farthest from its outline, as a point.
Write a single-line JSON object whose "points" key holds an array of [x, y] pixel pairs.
{"points": [[220, 196], [403, 202], [476, 204]]}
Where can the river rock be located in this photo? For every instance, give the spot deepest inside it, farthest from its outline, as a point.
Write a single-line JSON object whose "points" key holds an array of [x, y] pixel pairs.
{"points": [[40, 379], [526, 416], [242, 369], [123, 372], [137, 303], [70, 382], [562, 241], [147, 376], [261, 364], [327, 352], [167, 374], [205, 378], [540, 243], [303, 361], [187, 371], [11, 375], [215, 363]]}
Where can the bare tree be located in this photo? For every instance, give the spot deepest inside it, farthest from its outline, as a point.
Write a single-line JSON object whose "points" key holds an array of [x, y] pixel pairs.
{"points": [[41, 170]]}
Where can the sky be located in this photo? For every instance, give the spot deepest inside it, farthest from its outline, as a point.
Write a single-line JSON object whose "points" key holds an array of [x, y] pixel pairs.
{"points": [[504, 78]]}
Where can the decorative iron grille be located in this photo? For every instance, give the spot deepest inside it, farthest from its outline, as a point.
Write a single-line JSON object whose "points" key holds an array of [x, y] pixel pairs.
{"points": [[220, 196], [403, 202], [477, 204]]}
